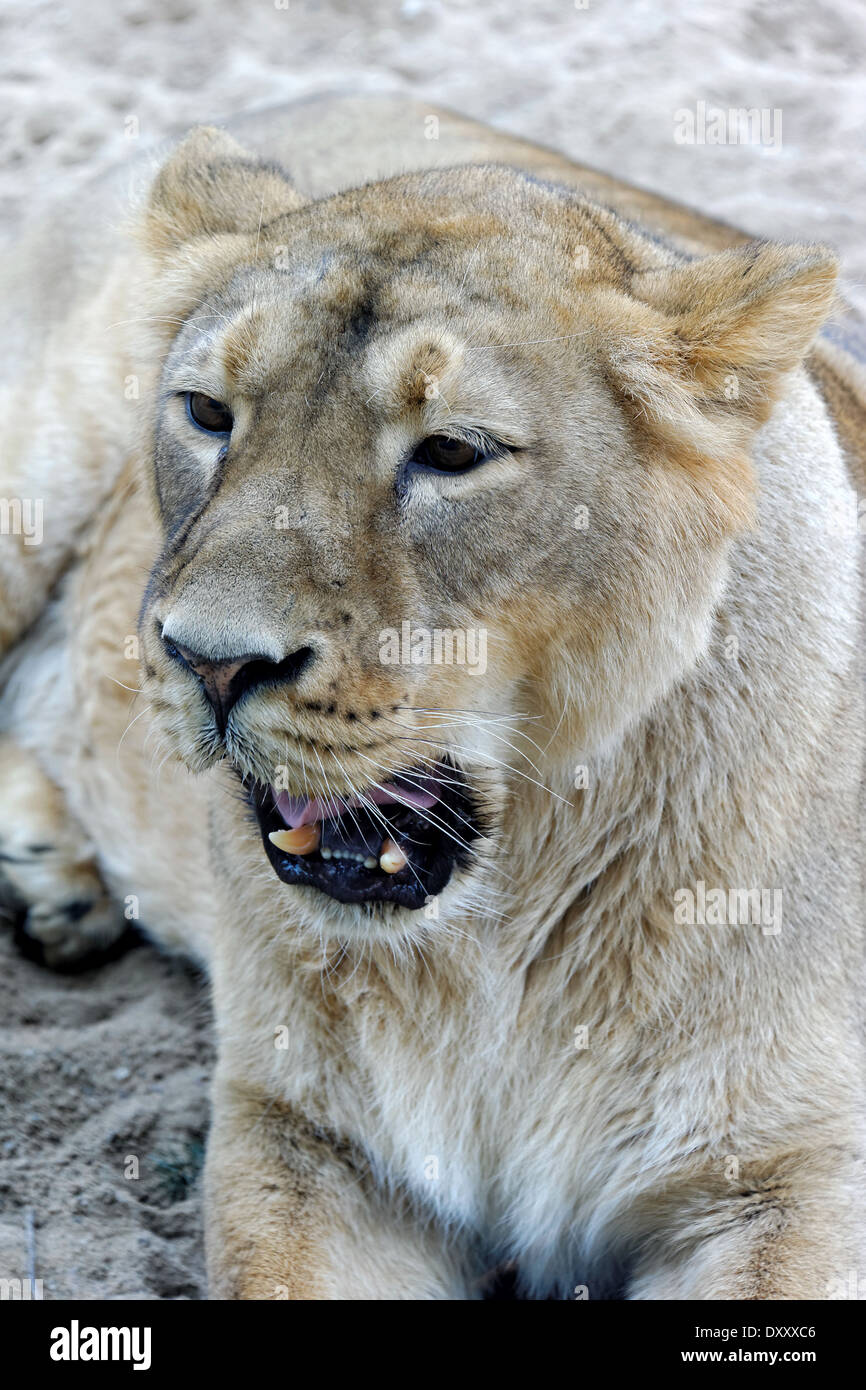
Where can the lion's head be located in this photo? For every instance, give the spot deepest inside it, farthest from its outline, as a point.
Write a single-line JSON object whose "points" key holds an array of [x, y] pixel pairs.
{"points": [[432, 458]]}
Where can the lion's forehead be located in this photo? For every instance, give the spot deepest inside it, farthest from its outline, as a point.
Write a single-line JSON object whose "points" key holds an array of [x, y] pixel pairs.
{"points": [[393, 331]]}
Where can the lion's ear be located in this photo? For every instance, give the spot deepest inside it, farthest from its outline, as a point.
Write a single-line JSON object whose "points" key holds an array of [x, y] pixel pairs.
{"points": [[210, 185], [751, 313], [701, 351]]}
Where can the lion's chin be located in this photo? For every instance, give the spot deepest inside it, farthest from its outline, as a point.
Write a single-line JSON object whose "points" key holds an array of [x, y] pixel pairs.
{"points": [[358, 851]]}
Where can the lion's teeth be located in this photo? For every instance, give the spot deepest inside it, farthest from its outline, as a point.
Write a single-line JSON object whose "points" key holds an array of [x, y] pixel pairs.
{"points": [[301, 841], [391, 858], [350, 854], [306, 839]]}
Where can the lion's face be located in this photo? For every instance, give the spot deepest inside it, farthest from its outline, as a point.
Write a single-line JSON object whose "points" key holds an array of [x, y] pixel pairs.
{"points": [[428, 466]]}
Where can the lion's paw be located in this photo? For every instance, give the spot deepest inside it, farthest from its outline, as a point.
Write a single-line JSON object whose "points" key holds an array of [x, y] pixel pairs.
{"points": [[50, 887]]}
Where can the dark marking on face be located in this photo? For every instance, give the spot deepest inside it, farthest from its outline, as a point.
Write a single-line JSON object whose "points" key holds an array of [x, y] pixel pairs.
{"points": [[184, 488], [74, 911], [360, 325]]}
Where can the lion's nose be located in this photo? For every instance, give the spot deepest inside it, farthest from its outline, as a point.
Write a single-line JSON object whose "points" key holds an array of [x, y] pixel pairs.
{"points": [[226, 679]]}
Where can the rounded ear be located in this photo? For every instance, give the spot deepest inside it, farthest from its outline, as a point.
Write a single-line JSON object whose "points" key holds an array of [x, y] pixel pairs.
{"points": [[752, 311], [699, 352], [210, 185]]}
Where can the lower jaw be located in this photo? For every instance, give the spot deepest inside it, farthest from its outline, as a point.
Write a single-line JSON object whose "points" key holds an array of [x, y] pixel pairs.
{"points": [[350, 883], [432, 856]]}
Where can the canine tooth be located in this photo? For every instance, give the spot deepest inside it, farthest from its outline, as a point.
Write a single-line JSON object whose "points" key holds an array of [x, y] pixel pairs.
{"points": [[391, 857], [370, 862], [301, 841]]}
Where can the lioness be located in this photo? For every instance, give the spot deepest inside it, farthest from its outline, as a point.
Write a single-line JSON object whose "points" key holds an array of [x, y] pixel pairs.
{"points": [[469, 524]]}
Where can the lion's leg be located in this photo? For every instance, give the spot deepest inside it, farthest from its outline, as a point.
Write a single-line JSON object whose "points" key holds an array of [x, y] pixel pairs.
{"points": [[49, 493], [49, 882], [67, 400], [287, 1217], [791, 1237]]}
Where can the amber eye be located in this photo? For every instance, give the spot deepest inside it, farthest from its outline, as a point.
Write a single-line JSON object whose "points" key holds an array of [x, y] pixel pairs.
{"points": [[208, 414], [447, 455]]}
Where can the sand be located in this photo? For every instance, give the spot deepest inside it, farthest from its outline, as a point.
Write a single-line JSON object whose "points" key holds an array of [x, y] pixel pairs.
{"points": [[113, 1065]]}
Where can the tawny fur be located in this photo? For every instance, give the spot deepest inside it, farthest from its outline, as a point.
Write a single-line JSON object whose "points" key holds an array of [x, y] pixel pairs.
{"points": [[553, 1073]]}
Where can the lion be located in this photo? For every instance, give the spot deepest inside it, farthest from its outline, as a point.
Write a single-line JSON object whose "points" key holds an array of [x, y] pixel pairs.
{"points": [[445, 626]]}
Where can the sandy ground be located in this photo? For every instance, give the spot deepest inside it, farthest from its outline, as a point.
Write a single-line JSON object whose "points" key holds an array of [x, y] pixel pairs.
{"points": [[113, 1065]]}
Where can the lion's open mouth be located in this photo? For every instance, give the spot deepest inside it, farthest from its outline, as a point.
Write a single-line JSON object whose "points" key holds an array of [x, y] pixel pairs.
{"points": [[398, 842]]}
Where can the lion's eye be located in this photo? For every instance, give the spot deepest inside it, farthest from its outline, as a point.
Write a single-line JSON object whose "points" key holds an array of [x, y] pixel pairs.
{"points": [[447, 455], [208, 414]]}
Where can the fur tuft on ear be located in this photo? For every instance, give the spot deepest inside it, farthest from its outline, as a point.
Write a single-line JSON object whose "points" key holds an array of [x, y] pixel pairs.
{"points": [[700, 352], [752, 311], [211, 186]]}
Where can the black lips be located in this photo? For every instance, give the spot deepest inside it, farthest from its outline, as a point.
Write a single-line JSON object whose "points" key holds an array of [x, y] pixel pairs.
{"points": [[436, 842]]}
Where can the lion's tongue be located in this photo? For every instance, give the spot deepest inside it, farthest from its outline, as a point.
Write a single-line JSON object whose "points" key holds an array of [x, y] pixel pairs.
{"points": [[298, 811]]}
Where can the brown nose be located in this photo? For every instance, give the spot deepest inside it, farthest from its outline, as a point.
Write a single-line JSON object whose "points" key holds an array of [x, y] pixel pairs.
{"points": [[224, 681]]}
